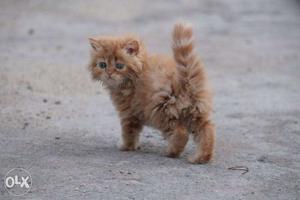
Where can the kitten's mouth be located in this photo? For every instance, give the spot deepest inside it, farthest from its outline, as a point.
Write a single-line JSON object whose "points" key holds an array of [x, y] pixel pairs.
{"points": [[109, 76], [110, 79]]}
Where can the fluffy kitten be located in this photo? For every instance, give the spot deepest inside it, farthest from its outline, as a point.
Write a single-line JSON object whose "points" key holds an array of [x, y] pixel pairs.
{"points": [[169, 94]]}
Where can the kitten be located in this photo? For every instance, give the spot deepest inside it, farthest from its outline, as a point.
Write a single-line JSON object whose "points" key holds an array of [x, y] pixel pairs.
{"points": [[169, 94]]}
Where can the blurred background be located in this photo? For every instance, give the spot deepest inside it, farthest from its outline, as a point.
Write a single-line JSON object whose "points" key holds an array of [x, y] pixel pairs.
{"points": [[60, 126]]}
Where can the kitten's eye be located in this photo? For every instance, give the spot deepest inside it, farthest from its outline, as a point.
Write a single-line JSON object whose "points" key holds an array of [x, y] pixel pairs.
{"points": [[102, 65], [120, 66]]}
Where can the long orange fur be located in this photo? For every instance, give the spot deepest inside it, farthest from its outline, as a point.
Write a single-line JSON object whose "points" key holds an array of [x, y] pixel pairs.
{"points": [[170, 94]]}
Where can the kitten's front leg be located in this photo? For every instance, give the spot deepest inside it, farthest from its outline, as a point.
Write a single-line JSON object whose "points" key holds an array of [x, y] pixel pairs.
{"points": [[131, 128]]}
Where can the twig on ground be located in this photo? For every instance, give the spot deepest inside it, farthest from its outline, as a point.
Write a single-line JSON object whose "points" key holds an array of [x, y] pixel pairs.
{"points": [[241, 168]]}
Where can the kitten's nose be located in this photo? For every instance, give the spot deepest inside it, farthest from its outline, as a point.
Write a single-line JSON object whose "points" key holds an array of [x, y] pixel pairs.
{"points": [[109, 73]]}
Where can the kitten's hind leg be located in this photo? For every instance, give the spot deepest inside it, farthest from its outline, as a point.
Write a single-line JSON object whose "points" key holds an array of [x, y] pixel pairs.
{"points": [[131, 128], [205, 139], [177, 141]]}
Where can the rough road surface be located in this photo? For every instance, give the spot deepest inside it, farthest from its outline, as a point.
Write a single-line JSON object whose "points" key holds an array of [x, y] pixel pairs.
{"points": [[61, 127]]}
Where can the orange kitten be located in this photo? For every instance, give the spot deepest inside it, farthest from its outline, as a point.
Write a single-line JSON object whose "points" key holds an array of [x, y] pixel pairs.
{"points": [[169, 94]]}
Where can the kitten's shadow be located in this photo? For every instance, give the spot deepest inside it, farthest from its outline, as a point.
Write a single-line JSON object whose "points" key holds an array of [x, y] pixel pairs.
{"points": [[108, 152]]}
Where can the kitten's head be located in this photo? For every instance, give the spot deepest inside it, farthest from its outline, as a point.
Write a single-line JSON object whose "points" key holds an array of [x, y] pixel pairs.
{"points": [[116, 59]]}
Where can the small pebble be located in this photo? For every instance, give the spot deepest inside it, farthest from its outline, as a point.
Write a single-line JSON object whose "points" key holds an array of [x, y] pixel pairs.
{"points": [[58, 47], [25, 125], [263, 159], [31, 31]]}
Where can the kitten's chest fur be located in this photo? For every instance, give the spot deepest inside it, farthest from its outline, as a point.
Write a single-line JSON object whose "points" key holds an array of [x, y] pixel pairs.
{"points": [[127, 102]]}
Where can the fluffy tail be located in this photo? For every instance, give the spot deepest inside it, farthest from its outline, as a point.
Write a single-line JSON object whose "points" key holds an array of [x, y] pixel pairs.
{"points": [[191, 72], [188, 64]]}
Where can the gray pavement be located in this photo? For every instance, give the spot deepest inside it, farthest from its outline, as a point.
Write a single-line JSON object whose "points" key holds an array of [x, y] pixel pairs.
{"points": [[61, 126]]}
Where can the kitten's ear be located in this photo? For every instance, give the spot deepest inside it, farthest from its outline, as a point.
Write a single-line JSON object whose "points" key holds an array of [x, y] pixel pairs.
{"points": [[132, 47], [95, 44]]}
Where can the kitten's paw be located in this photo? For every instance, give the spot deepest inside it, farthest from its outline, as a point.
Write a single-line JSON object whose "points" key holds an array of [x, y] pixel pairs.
{"points": [[172, 154], [128, 147], [199, 159]]}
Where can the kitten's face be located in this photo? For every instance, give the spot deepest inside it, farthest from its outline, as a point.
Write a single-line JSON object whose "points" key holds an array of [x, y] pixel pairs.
{"points": [[115, 60]]}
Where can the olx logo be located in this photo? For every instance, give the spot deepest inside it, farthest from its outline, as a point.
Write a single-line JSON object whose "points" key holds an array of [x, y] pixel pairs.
{"points": [[18, 181]]}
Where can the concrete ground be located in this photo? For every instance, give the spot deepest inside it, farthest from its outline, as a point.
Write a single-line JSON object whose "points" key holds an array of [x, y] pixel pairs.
{"points": [[60, 126]]}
